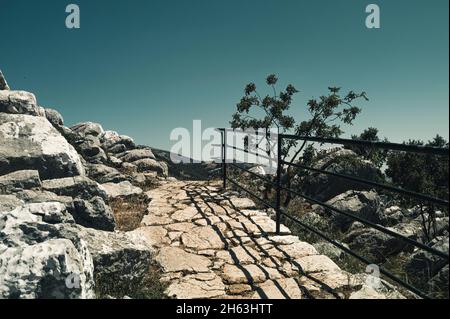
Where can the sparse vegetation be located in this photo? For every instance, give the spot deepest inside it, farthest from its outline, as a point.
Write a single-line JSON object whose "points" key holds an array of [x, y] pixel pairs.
{"points": [[149, 287], [129, 213]]}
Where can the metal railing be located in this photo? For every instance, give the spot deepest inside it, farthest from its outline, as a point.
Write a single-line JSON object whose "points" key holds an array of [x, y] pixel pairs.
{"points": [[279, 188]]}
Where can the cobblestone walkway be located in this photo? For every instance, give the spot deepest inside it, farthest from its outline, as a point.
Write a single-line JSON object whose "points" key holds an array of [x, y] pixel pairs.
{"points": [[210, 245]]}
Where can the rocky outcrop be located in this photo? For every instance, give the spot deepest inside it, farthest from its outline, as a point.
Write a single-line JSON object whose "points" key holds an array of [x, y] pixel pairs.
{"points": [[78, 186], [54, 117], [324, 187], [57, 237], [19, 102], [19, 180], [121, 190], [366, 205], [32, 143]]}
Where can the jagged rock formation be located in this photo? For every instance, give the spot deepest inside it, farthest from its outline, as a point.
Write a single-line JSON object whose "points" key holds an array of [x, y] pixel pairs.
{"points": [[57, 237]]}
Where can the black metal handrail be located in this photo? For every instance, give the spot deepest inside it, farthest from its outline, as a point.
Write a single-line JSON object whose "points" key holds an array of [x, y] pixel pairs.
{"points": [[377, 145]]}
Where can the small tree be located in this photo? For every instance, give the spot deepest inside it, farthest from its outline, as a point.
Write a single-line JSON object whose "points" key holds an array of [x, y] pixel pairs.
{"points": [[326, 115], [421, 173], [376, 156]]}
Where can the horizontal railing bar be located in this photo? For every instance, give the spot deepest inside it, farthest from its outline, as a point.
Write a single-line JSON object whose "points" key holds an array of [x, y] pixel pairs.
{"points": [[251, 193], [375, 184], [373, 225], [361, 258], [249, 152], [382, 145], [254, 174]]}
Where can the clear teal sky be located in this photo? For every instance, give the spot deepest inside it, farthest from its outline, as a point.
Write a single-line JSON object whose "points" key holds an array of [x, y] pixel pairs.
{"points": [[144, 67]]}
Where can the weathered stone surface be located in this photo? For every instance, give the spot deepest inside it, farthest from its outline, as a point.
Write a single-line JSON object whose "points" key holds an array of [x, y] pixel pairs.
{"points": [[152, 220], [148, 164], [111, 138], [249, 274], [19, 180], [121, 190], [135, 155], [293, 251], [383, 291], [41, 271], [288, 288], [78, 186], [201, 238], [185, 214], [19, 102], [40, 196], [154, 236], [31, 142], [242, 255], [316, 263], [378, 245], [366, 205], [35, 257], [117, 257], [104, 174], [94, 213], [88, 128], [54, 117], [9, 202], [239, 203], [207, 285], [173, 259]]}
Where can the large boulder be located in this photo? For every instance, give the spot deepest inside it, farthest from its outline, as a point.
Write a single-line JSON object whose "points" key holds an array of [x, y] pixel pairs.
{"points": [[94, 213], [363, 204], [423, 263], [135, 155], [36, 262], [19, 102], [31, 142], [3, 83], [78, 186], [121, 190], [19, 180], [120, 260], [342, 161], [41, 196], [52, 270], [104, 174], [88, 128], [90, 148], [54, 117], [62, 260], [148, 164], [378, 246], [111, 138]]}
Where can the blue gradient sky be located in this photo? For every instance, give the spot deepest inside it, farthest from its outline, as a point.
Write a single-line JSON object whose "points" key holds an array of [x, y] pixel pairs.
{"points": [[145, 67]]}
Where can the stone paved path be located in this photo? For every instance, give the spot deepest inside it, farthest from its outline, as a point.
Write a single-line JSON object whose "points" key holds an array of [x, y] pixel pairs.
{"points": [[209, 245]]}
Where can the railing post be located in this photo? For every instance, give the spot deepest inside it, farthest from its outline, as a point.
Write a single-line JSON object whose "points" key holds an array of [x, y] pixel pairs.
{"points": [[224, 156], [278, 182]]}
